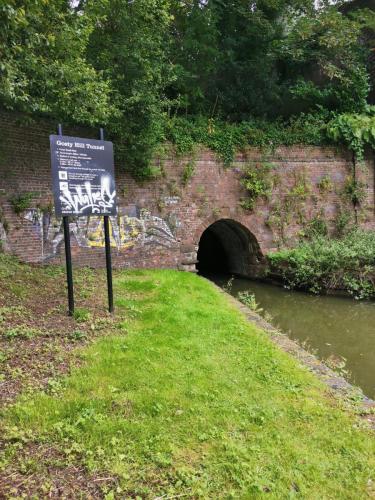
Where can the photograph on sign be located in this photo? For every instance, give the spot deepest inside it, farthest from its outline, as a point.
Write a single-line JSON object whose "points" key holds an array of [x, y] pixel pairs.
{"points": [[83, 176]]}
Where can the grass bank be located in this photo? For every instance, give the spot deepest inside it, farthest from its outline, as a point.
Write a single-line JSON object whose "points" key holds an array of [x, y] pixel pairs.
{"points": [[184, 398]]}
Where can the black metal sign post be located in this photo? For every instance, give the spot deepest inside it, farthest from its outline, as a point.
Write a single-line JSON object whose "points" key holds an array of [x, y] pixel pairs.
{"points": [[83, 181], [108, 257], [68, 254]]}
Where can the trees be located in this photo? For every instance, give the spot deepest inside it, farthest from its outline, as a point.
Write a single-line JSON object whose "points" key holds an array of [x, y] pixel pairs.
{"points": [[134, 64], [226, 52], [269, 58], [43, 62], [324, 64], [130, 46]]}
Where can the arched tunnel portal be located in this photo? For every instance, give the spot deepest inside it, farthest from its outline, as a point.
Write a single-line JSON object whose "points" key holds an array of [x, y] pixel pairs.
{"points": [[229, 247]]}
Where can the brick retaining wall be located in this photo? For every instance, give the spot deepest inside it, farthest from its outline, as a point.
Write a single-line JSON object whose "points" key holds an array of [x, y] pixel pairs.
{"points": [[160, 222]]}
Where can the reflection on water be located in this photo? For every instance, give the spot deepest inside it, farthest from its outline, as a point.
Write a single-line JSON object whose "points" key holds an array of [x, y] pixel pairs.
{"points": [[331, 326]]}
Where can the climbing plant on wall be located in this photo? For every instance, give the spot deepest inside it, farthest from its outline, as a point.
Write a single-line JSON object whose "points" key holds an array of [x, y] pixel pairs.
{"points": [[257, 183], [356, 131]]}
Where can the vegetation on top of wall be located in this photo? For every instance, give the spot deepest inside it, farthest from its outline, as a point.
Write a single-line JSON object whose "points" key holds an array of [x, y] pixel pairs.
{"points": [[325, 263], [356, 131], [225, 139]]}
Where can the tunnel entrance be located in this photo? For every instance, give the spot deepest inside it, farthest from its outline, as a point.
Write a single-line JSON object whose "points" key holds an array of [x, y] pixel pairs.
{"points": [[229, 247]]}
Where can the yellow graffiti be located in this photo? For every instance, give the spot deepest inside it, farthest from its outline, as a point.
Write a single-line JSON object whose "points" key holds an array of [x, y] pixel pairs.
{"points": [[95, 236], [127, 229]]}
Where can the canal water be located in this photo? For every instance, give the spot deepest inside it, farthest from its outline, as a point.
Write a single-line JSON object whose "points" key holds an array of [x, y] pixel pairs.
{"points": [[339, 330]]}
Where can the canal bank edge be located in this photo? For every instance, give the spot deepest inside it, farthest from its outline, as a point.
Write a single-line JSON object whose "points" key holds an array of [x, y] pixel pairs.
{"points": [[351, 396]]}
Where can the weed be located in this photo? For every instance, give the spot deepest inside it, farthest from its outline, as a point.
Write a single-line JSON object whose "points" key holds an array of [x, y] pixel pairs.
{"points": [[81, 315], [188, 172], [343, 222], [78, 335], [21, 202], [325, 184], [201, 189], [7, 312], [228, 286], [101, 323], [317, 226], [18, 289], [249, 300], [54, 386], [22, 332], [354, 190], [256, 180]]}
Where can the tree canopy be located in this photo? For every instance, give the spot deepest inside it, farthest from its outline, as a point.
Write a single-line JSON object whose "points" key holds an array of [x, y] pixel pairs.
{"points": [[136, 66]]}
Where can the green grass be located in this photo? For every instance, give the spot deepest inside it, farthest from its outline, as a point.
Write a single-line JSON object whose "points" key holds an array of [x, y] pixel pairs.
{"points": [[187, 398]]}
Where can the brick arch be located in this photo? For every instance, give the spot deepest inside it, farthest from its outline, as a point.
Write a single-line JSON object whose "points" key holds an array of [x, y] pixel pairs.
{"points": [[243, 219], [226, 245]]}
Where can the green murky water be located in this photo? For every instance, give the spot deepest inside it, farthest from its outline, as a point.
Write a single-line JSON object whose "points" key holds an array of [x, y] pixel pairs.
{"points": [[333, 327]]}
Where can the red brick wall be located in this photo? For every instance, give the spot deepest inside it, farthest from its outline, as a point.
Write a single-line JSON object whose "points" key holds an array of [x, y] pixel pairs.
{"points": [[161, 221]]}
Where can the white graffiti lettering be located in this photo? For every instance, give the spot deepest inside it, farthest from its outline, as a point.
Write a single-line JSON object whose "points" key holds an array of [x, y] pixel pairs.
{"points": [[99, 201]]}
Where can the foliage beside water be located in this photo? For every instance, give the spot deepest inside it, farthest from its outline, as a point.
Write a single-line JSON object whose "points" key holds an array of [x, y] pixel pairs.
{"points": [[325, 263]]}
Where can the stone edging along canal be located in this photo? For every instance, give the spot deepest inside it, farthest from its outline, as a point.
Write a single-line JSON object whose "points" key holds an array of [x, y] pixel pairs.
{"points": [[337, 385]]}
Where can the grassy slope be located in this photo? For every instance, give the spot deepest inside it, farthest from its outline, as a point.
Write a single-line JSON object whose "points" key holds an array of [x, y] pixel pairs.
{"points": [[188, 398]]}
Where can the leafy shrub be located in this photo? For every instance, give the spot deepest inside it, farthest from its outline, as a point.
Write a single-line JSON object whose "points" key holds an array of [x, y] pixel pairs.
{"points": [[325, 263]]}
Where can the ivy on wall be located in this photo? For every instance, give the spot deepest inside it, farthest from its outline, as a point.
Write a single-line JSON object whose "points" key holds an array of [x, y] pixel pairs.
{"points": [[227, 139]]}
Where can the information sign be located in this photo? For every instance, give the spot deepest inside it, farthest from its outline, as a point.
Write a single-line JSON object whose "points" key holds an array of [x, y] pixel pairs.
{"points": [[83, 176]]}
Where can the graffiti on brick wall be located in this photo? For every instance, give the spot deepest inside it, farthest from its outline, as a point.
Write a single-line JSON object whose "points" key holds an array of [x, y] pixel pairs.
{"points": [[132, 226], [3, 238]]}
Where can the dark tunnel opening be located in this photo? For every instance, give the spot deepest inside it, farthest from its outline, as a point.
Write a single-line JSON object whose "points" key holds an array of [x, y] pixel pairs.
{"points": [[211, 254], [227, 247]]}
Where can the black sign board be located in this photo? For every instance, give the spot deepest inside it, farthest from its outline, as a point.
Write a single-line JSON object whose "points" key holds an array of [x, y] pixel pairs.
{"points": [[83, 176]]}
